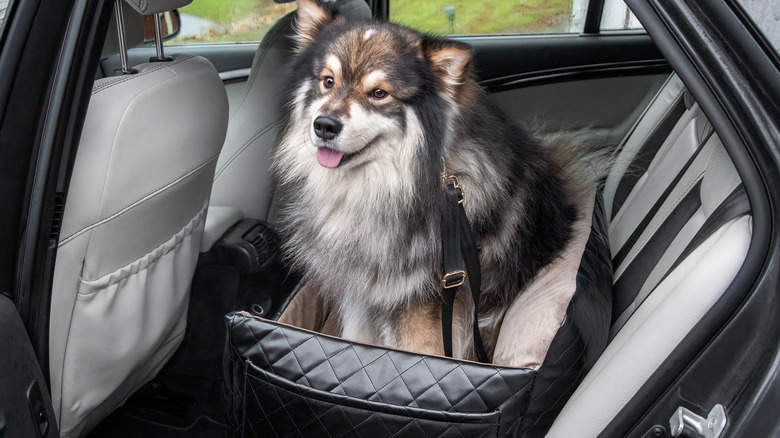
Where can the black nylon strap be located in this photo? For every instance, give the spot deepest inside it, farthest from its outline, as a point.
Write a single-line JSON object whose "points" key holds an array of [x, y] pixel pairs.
{"points": [[460, 263], [452, 261], [471, 257]]}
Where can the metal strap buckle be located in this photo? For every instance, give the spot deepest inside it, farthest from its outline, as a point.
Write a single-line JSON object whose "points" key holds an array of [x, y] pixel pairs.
{"points": [[453, 279], [454, 181]]}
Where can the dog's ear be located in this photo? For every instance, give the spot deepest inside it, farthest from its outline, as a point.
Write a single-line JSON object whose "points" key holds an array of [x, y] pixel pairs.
{"points": [[450, 61], [310, 18]]}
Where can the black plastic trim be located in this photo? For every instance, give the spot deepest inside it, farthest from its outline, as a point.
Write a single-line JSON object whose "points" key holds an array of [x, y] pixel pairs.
{"points": [[13, 173], [82, 24], [380, 9], [557, 53], [593, 17], [577, 72]]}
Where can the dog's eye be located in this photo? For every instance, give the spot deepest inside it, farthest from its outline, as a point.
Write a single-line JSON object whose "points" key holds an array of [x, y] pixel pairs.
{"points": [[328, 82], [379, 94]]}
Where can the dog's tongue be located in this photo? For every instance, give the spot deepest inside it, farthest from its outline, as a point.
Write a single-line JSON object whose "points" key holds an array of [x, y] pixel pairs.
{"points": [[328, 157]]}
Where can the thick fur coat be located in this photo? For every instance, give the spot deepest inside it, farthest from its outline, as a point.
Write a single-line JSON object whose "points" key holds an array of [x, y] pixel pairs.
{"points": [[374, 114]]}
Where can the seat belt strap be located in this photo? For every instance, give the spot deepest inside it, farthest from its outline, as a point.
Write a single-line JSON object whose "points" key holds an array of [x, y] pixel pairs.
{"points": [[460, 263]]}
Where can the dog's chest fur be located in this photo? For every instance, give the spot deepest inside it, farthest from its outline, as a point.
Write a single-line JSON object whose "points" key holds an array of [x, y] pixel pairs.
{"points": [[365, 232], [356, 233]]}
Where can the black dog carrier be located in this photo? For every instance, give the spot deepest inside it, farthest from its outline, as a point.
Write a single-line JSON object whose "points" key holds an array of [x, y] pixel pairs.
{"points": [[285, 381]]}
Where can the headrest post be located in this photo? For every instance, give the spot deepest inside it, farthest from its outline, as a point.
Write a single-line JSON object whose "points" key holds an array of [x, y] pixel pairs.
{"points": [[158, 40], [120, 25], [158, 36]]}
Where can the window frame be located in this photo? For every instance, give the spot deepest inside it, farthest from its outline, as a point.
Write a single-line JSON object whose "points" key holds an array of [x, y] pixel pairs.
{"points": [[381, 10]]}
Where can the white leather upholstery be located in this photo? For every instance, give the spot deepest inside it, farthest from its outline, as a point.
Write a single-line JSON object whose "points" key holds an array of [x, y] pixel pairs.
{"points": [[653, 331], [242, 178], [132, 228], [652, 185], [667, 304], [638, 135]]}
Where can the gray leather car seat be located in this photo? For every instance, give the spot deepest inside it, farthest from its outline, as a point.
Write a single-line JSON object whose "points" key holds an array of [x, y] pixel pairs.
{"points": [[677, 244], [132, 228], [242, 178]]}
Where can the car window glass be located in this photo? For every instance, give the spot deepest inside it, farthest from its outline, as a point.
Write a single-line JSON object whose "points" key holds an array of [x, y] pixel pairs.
{"points": [[468, 17], [220, 21], [3, 7], [617, 16], [766, 16]]}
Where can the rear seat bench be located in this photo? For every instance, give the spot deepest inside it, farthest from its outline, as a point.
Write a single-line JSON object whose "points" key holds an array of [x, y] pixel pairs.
{"points": [[679, 231]]}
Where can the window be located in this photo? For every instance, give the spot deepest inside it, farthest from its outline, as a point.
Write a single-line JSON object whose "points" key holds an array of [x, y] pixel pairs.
{"points": [[218, 21], [766, 17], [3, 8], [617, 16], [468, 17]]}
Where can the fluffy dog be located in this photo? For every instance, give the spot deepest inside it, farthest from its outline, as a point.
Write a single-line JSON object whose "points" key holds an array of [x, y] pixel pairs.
{"points": [[375, 114]]}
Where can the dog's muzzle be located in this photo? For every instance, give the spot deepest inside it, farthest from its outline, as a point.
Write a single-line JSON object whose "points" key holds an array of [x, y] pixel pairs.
{"points": [[327, 128]]}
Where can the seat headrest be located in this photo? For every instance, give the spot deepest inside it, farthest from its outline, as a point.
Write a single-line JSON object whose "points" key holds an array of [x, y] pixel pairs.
{"points": [[146, 7], [134, 31]]}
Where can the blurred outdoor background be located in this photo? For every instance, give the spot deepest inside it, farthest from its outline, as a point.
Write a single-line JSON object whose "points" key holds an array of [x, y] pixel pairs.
{"points": [[248, 20]]}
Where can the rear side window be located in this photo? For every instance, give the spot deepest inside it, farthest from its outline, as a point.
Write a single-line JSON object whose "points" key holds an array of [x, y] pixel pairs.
{"points": [[766, 17], [468, 17], [221, 21], [617, 16], [3, 8]]}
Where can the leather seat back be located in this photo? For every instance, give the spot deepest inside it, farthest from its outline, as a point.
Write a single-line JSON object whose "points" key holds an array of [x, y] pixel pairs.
{"points": [[132, 228], [242, 178]]}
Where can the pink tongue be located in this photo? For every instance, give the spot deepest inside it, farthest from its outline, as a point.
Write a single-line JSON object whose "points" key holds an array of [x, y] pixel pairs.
{"points": [[328, 157]]}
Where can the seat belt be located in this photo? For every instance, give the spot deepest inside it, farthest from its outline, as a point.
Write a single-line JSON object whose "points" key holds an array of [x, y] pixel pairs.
{"points": [[460, 263]]}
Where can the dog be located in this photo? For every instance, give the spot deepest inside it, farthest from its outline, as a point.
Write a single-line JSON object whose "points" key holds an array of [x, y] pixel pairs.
{"points": [[375, 114]]}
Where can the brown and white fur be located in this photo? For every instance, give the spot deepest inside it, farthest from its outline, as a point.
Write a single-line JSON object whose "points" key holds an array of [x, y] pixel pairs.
{"points": [[374, 114]]}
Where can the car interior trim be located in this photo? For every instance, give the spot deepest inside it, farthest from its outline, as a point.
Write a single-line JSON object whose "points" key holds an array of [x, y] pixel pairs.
{"points": [[576, 73], [677, 41], [235, 75]]}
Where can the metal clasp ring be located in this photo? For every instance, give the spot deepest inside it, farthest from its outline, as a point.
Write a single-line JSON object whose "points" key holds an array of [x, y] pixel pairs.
{"points": [[453, 279]]}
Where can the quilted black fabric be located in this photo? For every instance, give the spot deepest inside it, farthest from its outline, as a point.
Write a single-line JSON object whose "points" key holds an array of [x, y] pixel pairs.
{"points": [[285, 382], [282, 381], [582, 337]]}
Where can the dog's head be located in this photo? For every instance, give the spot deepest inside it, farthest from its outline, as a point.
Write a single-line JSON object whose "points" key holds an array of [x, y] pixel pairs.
{"points": [[368, 85]]}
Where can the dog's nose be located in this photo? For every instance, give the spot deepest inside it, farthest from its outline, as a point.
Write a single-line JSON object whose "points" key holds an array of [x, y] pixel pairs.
{"points": [[327, 127]]}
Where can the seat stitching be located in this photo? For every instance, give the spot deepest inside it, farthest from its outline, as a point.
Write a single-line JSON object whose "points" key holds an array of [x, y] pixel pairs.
{"points": [[192, 225], [137, 202], [242, 149]]}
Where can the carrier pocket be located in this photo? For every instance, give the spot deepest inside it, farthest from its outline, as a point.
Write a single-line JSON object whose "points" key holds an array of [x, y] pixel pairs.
{"points": [[311, 412], [284, 381]]}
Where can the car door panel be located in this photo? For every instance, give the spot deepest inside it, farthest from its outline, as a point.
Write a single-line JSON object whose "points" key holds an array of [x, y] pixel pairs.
{"points": [[25, 405], [606, 107], [571, 82]]}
